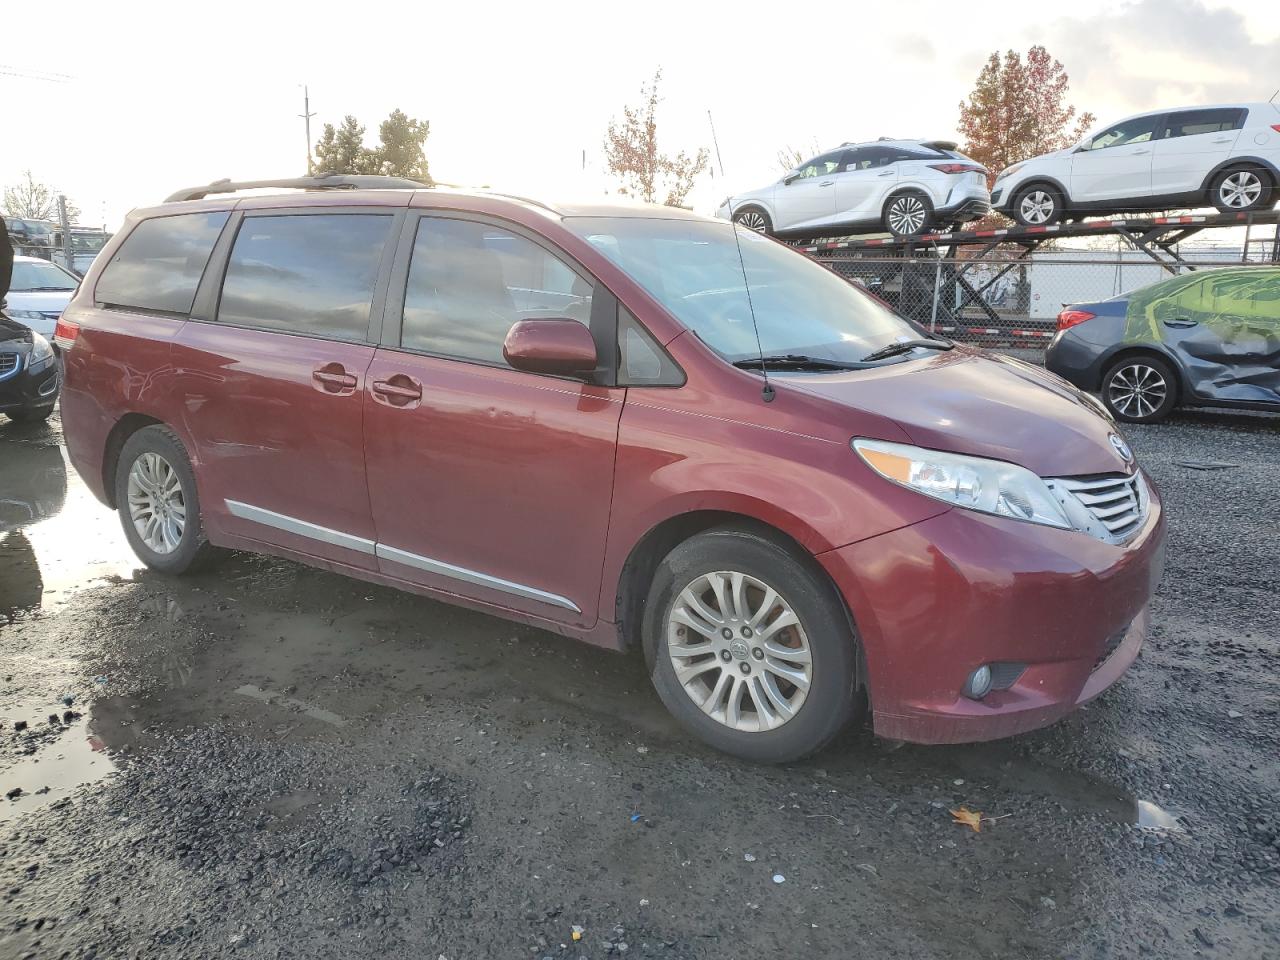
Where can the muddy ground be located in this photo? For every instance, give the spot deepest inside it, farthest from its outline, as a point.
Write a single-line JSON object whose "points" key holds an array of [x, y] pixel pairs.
{"points": [[270, 761]]}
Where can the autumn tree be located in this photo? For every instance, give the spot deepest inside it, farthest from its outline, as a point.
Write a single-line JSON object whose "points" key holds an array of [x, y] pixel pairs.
{"points": [[632, 154], [1018, 109], [31, 200], [400, 151]]}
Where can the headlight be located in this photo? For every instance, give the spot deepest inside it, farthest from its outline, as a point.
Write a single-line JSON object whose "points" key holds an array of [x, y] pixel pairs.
{"points": [[990, 486], [40, 350], [1008, 170], [25, 314]]}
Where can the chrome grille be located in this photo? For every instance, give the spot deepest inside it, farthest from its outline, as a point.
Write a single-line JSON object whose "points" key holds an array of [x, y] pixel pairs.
{"points": [[8, 365], [1110, 507]]}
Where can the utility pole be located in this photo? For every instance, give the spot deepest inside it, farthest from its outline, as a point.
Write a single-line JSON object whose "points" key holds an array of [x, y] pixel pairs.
{"points": [[65, 223], [306, 116]]}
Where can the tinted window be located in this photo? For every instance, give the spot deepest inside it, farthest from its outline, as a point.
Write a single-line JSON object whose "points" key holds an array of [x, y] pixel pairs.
{"points": [[821, 166], [305, 274], [159, 265], [864, 158], [40, 276], [469, 282], [1191, 123], [1137, 130]]}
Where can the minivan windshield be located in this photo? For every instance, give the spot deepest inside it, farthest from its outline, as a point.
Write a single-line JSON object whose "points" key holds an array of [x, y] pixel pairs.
{"points": [[30, 277], [692, 268]]}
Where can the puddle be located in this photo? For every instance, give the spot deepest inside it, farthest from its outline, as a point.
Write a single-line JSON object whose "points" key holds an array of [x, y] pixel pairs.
{"points": [[1148, 816], [76, 757], [301, 706], [55, 538]]}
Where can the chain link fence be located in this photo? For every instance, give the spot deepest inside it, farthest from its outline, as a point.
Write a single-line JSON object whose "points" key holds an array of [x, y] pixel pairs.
{"points": [[1005, 300]]}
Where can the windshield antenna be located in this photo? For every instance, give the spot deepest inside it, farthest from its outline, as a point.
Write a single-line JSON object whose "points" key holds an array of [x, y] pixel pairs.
{"points": [[767, 393]]}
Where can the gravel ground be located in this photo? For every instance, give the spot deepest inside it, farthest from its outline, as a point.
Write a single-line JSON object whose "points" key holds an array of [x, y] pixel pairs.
{"points": [[271, 761]]}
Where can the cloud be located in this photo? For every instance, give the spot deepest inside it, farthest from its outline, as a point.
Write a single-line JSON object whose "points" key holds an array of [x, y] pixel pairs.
{"points": [[1156, 53]]}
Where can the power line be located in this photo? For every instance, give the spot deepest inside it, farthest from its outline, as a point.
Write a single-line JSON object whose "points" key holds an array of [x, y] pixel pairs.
{"points": [[19, 73]]}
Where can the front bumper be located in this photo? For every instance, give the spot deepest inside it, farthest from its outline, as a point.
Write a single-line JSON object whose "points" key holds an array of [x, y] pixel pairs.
{"points": [[26, 389], [936, 600]]}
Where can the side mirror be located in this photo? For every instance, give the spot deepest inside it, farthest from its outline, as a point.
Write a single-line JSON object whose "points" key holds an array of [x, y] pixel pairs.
{"points": [[790, 178], [554, 346]]}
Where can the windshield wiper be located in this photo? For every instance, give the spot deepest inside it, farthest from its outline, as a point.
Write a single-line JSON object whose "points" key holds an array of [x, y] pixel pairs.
{"points": [[795, 361], [906, 346], [44, 290]]}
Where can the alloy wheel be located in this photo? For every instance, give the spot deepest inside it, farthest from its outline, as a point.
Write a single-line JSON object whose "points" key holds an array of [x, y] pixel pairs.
{"points": [[906, 215], [156, 504], [1240, 190], [1137, 390], [1037, 207], [739, 651], [752, 220]]}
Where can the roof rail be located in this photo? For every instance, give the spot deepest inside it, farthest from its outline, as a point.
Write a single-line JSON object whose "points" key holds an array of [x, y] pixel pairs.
{"points": [[324, 181]]}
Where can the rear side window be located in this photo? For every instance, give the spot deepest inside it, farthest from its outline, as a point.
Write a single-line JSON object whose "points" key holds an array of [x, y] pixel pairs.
{"points": [[312, 274], [470, 282], [1191, 123], [159, 265]]}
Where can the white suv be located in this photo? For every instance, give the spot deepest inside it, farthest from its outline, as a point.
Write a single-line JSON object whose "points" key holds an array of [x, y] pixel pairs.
{"points": [[904, 186], [1227, 156]]}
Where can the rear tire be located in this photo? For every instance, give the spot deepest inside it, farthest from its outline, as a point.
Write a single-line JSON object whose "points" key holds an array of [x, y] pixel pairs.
{"points": [[732, 690], [753, 218], [1241, 190], [1037, 205], [1140, 389], [908, 214], [158, 503]]}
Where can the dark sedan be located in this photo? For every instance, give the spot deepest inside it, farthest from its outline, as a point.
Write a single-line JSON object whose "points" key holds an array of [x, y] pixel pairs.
{"points": [[29, 373], [1206, 338]]}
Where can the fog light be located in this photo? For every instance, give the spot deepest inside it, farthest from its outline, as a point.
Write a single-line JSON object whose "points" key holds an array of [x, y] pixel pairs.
{"points": [[979, 683]]}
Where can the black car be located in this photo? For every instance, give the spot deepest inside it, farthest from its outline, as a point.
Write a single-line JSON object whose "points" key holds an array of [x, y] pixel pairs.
{"points": [[30, 376], [1206, 338]]}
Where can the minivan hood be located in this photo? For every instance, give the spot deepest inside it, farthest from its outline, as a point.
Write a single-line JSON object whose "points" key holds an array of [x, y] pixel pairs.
{"points": [[985, 405]]}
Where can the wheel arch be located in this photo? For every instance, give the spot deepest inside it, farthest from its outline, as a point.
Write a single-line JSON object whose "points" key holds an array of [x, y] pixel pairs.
{"points": [[636, 575], [120, 432], [1042, 180], [1124, 352], [753, 204], [1232, 163]]}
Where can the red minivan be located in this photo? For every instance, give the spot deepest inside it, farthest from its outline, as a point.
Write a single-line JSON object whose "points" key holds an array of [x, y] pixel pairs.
{"points": [[629, 425]]}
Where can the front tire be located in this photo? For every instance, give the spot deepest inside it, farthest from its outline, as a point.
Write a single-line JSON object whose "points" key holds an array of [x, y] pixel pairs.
{"points": [[1240, 190], [31, 414], [753, 218], [1037, 205], [1140, 389], [158, 503], [908, 215], [749, 646]]}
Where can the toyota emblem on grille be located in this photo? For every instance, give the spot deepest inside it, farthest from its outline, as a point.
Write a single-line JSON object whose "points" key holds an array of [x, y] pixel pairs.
{"points": [[1122, 448]]}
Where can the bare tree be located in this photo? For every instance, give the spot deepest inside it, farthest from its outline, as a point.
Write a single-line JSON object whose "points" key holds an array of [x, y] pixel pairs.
{"points": [[35, 201], [632, 154], [789, 157]]}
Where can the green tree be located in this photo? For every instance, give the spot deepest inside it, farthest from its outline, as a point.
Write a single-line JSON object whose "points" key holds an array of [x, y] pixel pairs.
{"points": [[401, 150], [631, 153], [31, 200], [342, 150]]}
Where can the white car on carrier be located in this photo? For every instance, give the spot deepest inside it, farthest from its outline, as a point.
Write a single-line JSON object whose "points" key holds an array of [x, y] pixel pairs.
{"points": [[906, 187], [1227, 156]]}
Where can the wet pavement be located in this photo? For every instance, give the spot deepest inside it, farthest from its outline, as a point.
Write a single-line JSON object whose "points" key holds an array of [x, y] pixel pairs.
{"points": [[268, 760]]}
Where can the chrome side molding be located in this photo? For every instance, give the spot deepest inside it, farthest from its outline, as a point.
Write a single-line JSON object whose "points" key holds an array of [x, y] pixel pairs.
{"points": [[337, 538]]}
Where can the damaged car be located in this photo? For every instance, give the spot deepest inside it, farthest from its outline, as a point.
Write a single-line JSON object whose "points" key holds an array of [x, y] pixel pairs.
{"points": [[1207, 338]]}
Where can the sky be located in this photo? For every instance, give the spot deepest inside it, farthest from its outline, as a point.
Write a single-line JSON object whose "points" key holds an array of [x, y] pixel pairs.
{"points": [[118, 105]]}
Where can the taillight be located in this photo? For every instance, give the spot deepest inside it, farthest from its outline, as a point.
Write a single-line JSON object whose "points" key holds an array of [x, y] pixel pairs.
{"points": [[1069, 318], [65, 333], [959, 168], [1276, 127]]}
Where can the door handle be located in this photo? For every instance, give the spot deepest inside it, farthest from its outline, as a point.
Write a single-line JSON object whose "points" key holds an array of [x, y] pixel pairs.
{"points": [[887, 173], [1180, 323], [333, 378], [826, 183], [1137, 153], [398, 390], [1223, 139]]}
